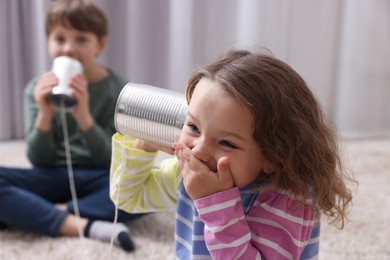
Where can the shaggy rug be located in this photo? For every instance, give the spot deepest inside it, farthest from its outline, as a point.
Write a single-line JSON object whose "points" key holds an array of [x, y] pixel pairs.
{"points": [[365, 236]]}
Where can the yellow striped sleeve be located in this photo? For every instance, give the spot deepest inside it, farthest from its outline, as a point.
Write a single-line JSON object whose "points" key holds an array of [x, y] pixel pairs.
{"points": [[136, 185]]}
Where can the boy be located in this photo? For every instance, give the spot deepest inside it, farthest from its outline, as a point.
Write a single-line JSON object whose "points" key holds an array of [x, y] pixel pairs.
{"points": [[39, 199]]}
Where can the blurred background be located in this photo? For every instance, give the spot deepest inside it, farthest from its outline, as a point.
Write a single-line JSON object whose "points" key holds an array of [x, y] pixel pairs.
{"points": [[340, 47]]}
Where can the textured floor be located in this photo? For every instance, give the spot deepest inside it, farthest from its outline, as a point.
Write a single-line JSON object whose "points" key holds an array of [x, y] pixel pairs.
{"points": [[365, 236]]}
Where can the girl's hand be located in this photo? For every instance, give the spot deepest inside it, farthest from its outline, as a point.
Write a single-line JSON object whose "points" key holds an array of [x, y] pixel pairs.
{"points": [[151, 147], [81, 112], [42, 92], [198, 179]]}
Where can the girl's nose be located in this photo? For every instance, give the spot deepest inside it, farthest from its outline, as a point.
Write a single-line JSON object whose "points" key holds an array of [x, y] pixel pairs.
{"points": [[204, 152]]}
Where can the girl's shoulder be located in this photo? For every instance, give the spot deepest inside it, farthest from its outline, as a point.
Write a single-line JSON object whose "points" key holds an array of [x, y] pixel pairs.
{"points": [[262, 194]]}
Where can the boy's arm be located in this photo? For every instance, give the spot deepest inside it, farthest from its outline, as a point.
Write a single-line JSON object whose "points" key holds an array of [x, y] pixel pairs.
{"points": [[40, 146], [136, 186], [97, 139]]}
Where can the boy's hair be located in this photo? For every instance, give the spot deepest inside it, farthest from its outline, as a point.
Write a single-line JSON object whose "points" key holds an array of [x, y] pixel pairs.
{"points": [[288, 126], [81, 15]]}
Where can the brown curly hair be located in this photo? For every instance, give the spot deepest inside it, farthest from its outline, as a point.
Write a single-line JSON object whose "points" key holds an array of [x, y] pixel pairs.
{"points": [[288, 126]]}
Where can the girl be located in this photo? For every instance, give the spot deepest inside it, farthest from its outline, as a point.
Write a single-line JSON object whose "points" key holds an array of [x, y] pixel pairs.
{"points": [[256, 165]]}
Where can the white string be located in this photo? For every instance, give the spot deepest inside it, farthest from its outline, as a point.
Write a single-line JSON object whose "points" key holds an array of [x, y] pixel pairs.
{"points": [[121, 168], [70, 168]]}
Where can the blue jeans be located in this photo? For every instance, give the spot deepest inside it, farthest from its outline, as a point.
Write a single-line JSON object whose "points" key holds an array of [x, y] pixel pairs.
{"points": [[28, 197]]}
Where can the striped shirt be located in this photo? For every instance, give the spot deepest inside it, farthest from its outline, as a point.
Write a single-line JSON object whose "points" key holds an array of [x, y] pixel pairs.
{"points": [[244, 223]]}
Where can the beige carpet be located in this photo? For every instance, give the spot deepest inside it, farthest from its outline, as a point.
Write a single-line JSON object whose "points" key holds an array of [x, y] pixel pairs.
{"points": [[366, 236]]}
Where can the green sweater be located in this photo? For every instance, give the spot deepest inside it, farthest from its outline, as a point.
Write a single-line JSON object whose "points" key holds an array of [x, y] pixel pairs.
{"points": [[90, 149]]}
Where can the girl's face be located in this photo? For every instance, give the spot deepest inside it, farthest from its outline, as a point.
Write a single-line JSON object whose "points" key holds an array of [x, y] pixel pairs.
{"points": [[81, 45], [218, 126]]}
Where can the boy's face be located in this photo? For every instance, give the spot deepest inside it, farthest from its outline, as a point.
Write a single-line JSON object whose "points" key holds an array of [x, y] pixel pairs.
{"points": [[81, 45], [218, 126]]}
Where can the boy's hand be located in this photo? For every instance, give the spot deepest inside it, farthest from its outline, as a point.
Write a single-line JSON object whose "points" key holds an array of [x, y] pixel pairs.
{"points": [[198, 179], [81, 112], [42, 92]]}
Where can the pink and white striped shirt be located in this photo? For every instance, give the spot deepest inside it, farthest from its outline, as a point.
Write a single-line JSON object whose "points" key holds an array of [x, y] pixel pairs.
{"points": [[269, 224]]}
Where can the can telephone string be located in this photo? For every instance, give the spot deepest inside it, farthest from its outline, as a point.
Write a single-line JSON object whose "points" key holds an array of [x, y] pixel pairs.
{"points": [[72, 186], [69, 165]]}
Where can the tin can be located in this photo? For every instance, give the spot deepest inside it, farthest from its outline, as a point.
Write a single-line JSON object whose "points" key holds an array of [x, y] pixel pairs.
{"points": [[64, 68], [150, 113]]}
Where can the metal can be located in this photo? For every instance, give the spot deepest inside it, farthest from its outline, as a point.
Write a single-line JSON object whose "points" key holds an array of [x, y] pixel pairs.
{"points": [[150, 113]]}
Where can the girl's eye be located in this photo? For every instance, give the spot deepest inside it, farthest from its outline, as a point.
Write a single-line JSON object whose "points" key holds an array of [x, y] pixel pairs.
{"points": [[227, 144], [193, 128]]}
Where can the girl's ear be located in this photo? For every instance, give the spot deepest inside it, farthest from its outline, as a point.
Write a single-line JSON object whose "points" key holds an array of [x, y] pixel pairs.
{"points": [[268, 168]]}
